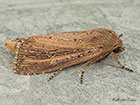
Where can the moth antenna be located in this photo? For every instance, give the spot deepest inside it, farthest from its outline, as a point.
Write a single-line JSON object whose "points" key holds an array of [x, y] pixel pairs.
{"points": [[120, 35], [116, 59]]}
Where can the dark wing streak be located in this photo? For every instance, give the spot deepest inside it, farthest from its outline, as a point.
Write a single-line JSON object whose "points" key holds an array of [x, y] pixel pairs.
{"points": [[24, 68], [31, 51], [26, 52], [55, 42], [31, 69], [44, 48]]}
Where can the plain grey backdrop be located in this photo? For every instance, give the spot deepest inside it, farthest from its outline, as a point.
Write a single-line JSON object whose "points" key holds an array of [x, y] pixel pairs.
{"points": [[105, 83]]}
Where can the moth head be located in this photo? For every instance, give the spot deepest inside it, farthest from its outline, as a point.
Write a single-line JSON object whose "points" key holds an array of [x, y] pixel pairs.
{"points": [[119, 46], [118, 50]]}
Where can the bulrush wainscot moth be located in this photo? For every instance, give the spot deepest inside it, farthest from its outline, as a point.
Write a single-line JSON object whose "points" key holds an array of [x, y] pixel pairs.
{"points": [[51, 53]]}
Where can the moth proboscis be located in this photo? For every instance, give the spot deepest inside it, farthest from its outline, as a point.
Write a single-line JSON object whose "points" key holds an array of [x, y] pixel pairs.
{"points": [[47, 53]]}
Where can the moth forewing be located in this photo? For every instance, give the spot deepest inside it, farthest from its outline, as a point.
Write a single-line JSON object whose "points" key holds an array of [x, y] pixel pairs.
{"points": [[54, 52]]}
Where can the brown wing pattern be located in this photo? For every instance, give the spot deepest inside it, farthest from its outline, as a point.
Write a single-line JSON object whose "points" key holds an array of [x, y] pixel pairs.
{"points": [[46, 53]]}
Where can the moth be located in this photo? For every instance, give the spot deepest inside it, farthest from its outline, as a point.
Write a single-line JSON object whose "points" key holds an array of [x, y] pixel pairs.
{"points": [[48, 53]]}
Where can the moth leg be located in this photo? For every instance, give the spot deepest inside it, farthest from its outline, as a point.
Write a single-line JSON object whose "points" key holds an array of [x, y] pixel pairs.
{"points": [[81, 67], [116, 59], [54, 74], [82, 74], [83, 71]]}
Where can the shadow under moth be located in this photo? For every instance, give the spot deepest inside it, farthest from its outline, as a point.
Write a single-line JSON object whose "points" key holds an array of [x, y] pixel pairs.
{"points": [[47, 53]]}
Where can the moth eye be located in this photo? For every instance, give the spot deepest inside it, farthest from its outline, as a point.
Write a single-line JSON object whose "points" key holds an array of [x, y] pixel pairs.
{"points": [[117, 50]]}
